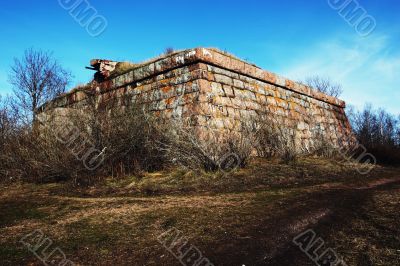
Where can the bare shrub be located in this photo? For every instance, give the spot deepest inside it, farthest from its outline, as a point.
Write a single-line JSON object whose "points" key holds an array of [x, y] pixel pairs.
{"points": [[169, 50], [7, 121], [322, 146], [276, 138], [123, 131], [7, 130], [324, 85], [130, 136], [122, 137], [206, 149], [36, 157]]}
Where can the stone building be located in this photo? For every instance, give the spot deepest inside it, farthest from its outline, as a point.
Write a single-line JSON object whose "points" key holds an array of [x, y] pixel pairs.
{"points": [[217, 92]]}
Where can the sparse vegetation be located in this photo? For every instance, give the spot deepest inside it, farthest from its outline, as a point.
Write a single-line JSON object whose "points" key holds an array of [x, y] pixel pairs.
{"points": [[169, 50], [81, 87], [379, 132], [131, 141], [123, 67], [210, 151], [277, 138], [324, 85], [57, 151]]}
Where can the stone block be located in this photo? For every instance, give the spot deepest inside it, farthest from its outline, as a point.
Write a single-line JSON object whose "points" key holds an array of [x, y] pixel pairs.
{"points": [[229, 92], [217, 89], [238, 84], [223, 79]]}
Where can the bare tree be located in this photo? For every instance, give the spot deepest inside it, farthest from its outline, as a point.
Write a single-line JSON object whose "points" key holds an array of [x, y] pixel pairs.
{"points": [[5, 121], [324, 85], [36, 78], [379, 132], [398, 132], [351, 113]]}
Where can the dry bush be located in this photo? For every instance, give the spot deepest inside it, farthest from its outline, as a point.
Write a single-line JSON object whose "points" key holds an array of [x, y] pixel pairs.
{"points": [[82, 145], [123, 133], [7, 129], [39, 153], [323, 146], [276, 138], [7, 122], [31, 156], [169, 50], [204, 149], [130, 137]]}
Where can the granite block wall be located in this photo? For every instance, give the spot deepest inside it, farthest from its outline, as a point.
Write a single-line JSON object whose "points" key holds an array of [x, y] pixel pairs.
{"points": [[217, 92]]}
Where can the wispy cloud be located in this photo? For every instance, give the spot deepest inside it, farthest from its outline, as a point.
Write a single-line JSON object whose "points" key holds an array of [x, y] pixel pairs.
{"points": [[388, 67], [365, 67]]}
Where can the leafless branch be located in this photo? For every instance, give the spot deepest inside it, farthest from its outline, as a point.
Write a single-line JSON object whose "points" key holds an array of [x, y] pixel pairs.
{"points": [[324, 85], [36, 78]]}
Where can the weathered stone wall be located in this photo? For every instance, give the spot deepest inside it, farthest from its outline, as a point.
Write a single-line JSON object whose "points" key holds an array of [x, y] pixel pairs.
{"points": [[218, 92]]}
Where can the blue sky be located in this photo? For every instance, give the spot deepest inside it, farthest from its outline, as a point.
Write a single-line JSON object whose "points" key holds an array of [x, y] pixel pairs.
{"points": [[296, 39]]}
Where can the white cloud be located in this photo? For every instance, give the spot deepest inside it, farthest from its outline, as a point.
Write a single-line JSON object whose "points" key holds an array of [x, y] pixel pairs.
{"points": [[368, 73], [388, 67]]}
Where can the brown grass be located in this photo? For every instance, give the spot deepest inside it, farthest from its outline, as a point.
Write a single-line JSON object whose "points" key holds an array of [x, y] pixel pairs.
{"points": [[246, 217]]}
